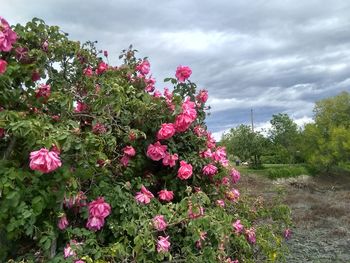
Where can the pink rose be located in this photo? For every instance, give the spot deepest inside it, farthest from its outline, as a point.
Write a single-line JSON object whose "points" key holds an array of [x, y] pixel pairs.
{"points": [[129, 151], [143, 67], [99, 128], [219, 154], [79, 261], [77, 200], [3, 66], [170, 159], [199, 131], [235, 175], [157, 94], [233, 195], [150, 82], [88, 71], [80, 107], [202, 96], [68, 251], [183, 122], [125, 160], [99, 208], [210, 141], [159, 223], [156, 151], [163, 244], [237, 226], [209, 169], [102, 67], [45, 46], [63, 222], [185, 171], [44, 160], [43, 91], [7, 36], [220, 202], [183, 73], [287, 234], [144, 196], [250, 235], [166, 131], [165, 195], [95, 223], [189, 108]]}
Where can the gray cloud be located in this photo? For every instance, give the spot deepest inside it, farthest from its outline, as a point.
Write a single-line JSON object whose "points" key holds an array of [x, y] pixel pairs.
{"points": [[273, 56]]}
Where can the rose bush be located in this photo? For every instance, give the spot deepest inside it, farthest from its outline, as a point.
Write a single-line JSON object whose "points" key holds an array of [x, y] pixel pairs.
{"points": [[98, 166]]}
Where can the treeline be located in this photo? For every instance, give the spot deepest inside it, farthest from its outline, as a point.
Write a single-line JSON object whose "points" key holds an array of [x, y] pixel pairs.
{"points": [[322, 145]]}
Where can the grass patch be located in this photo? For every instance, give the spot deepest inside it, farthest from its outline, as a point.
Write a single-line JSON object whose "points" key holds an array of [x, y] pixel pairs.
{"points": [[275, 171]]}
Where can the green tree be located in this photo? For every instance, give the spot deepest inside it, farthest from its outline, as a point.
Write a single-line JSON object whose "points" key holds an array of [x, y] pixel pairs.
{"points": [[246, 144]]}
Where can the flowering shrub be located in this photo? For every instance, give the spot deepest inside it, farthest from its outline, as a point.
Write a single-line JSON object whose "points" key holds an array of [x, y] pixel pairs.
{"points": [[99, 166]]}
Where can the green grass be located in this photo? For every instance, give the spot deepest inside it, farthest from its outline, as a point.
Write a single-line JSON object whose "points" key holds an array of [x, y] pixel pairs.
{"points": [[275, 171]]}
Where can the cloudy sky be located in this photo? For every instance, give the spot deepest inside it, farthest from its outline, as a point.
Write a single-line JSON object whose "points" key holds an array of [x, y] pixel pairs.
{"points": [[270, 55]]}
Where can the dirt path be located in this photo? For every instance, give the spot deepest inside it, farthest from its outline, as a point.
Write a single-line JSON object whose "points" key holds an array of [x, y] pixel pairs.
{"points": [[320, 211]]}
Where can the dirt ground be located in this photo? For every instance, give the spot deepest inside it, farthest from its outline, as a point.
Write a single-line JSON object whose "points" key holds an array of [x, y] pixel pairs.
{"points": [[320, 211]]}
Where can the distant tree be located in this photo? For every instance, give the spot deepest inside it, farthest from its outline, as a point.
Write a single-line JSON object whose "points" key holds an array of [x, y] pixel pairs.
{"points": [[246, 144], [284, 136]]}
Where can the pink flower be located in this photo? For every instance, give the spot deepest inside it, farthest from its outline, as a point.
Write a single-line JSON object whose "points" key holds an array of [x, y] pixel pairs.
{"points": [[99, 208], [237, 226], [229, 260], [105, 53], [44, 160], [45, 46], [233, 195], [79, 261], [159, 223], [250, 235], [68, 251], [3, 66], [125, 160], [287, 234], [144, 196], [235, 175], [183, 73], [80, 107], [157, 94], [88, 71], [143, 67], [35, 76], [7, 36], [220, 202], [43, 91], [166, 131], [77, 200], [202, 237], [199, 211], [99, 128], [207, 153], [129, 151], [199, 130], [225, 181], [185, 171], [167, 94], [163, 244], [183, 122], [189, 108], [219, 154], [170, 159], [63, 222], [150, 82], [102, 67], [95, 223], [165, 195], [202, 96], [209, 169], [210, 141], [156, 151]]}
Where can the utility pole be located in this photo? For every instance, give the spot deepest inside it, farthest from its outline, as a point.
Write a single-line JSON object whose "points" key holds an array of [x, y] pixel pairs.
{"points": [[252, 119]]}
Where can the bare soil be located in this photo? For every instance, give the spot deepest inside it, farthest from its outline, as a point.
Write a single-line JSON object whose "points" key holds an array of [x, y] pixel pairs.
{"points": [[320, 211]]}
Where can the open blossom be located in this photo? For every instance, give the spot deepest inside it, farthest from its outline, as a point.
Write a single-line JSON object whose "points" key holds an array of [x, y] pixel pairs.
{"points": [[68, 251], [235, 175], [95, 223], [233, 195], [7, 36], [237, 226], [150, 82], [220, 202], [170, 159], [189, 108], [183, 122], [45, 45], [229, 260], [88, 71], [185, 171], [63, 222], [144, 196], [219, 154], [199, 130], [99, 208], [99, 128], [157, 94], [202, 96], [129, 151], [156, 151], [80, 107], [102, 67], [143, 67], [163, 244], [125, 160], [159, 223], [166, 131], [3, 66], [209, 170], [43, 91], [250, 235], [165, 195], [183, 73], [44, 160], [79, 261], [211, 143]]}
